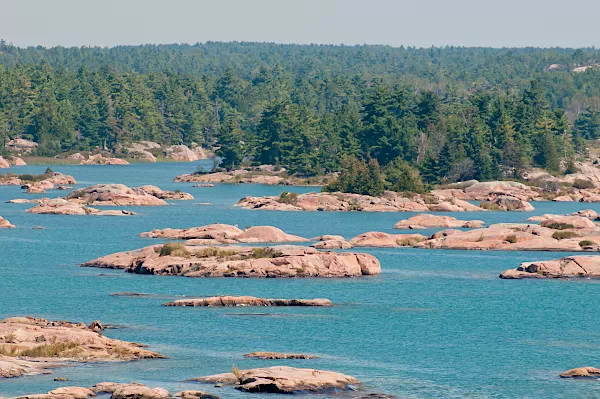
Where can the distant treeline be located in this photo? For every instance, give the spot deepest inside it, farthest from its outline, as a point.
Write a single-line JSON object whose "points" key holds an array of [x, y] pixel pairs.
{"points": [[450, 113]]}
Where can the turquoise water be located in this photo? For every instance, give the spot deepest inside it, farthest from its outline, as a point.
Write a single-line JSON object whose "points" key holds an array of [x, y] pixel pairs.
{"points": [[434, 324]]}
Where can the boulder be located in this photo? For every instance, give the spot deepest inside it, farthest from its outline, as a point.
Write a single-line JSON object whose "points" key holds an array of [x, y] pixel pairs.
{"points": [[4, 164], [385, 240], [571, 266], [507, 203], [16, 161], [424, 221], [230, 261], [114, 195], [483, 190], [226, 301], [582, 372], [5, 224], [283, 379]]}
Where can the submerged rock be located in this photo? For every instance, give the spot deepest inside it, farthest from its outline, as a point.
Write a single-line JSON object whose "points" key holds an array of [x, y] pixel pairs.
{"points": [[227, 301], [231, 261], [571, 266], [282, 379], [424, 221], [277, 356]]}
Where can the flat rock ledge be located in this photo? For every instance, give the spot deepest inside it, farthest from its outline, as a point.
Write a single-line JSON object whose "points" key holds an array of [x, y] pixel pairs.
{"points": [[279, 356], [287, 380], [218, 233], [426, 221], [236, 261], [60, 206], [347, 202], [118, 391], [226, 301], [582, 372], [32, 346], [571, 266], [114, 195]]}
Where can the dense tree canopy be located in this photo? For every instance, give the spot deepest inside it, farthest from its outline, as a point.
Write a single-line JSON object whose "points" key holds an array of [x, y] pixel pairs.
{"points": [[421, 115]]}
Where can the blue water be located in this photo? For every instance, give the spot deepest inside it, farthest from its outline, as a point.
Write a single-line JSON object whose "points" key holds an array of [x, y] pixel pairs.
{"points": [[434, 324]]}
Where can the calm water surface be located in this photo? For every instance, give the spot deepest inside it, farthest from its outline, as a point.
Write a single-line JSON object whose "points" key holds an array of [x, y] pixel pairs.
{"points": [[434, 324]]}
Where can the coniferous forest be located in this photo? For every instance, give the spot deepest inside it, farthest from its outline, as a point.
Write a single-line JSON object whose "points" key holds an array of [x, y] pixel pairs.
{"points": [[419, 116]]}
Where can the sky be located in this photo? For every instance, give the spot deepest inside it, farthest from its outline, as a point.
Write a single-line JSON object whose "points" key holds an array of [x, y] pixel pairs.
{"points": [[421, 23]]}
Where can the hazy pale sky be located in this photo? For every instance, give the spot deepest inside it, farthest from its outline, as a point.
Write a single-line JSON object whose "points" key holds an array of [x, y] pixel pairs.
{"points": [[422, 23]]}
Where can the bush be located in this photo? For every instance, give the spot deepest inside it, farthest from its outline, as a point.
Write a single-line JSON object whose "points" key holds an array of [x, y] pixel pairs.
{"points": [[558, 226], [561, 235], [265, 253], [213, 252], [288, 198], [511, 238], [175, 249], [586, 243], [583, 184]]}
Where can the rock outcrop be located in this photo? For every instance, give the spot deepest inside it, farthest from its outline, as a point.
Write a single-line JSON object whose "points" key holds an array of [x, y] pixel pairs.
{"points": [[99, 159], [225, 234], [582, 372], [5, 224], [60, 206], [507, 203], [282, 379], [343, 202], [263, 174], [130, 391], [4, 164], [45, 181], [225, 301], [425, 221], [166, 195], [183, 153], [12, 161], [571, 266], [12, 367], [512, 237], [230, 261], [21, 146], [385, 240], [114, 195], [31, 339], [278, 355]]}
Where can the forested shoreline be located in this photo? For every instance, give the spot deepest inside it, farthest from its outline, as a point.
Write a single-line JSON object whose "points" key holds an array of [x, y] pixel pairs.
{"points": [[435, 115]]}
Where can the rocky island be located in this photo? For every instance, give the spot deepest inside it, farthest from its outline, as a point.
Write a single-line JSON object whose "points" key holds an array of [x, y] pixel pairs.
{"points": [[228, 301], [25, 340], [176, 259], [283, 379], [571, 266]]}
